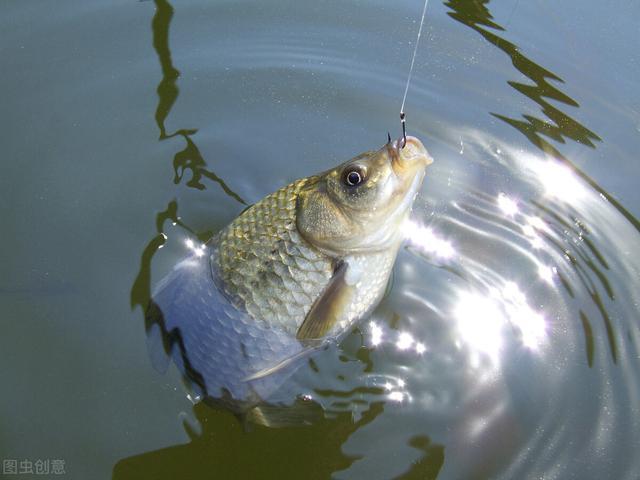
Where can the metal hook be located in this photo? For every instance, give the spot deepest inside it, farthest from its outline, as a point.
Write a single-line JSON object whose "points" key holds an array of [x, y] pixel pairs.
{"points": [[404, 129]]}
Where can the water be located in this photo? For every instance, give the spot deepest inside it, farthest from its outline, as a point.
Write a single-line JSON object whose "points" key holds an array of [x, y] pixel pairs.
{"points": [[508, 346]]}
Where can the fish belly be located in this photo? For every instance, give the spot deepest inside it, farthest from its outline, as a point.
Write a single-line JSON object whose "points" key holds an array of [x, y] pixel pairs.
{"points": [[218, 347]]}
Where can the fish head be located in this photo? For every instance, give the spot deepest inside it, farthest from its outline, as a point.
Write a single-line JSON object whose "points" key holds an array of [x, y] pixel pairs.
{"points": [[360, 206]]}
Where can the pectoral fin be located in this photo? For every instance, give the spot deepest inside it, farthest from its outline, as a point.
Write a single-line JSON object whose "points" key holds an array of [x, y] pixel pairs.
{"points": [[283, 364], [328, 307]]}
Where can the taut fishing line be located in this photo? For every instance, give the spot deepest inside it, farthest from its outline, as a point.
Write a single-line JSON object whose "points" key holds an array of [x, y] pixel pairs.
{"points": [[406, 88]]}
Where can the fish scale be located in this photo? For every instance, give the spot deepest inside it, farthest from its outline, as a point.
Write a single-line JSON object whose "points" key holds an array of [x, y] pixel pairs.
{"points": [[266, 265], [218, 341]]}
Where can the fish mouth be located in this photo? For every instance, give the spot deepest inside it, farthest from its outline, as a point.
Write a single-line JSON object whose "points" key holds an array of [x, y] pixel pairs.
{"points": [[408, 154], [409, 160]]}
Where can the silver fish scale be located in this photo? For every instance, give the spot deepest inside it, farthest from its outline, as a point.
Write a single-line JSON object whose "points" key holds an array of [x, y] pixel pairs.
{"points": [[222, 344], [267, 268]]}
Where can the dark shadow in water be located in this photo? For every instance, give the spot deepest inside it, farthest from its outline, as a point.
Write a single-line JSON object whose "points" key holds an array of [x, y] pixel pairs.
{"points": [[476, 15], [556, 126], [191, 159], [141, 288], [188, 159], [225, 449], [428, 467], [167, 88], [588, 335]]}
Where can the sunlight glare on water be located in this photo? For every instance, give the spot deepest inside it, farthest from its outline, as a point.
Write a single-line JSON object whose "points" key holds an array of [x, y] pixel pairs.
{"points": [[558, 180], [508, 205], [480, 324], [428, 241], [198, 250]]}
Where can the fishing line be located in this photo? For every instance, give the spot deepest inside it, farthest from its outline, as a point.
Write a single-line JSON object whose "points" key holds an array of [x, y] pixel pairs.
{"points": [[406, 88]]}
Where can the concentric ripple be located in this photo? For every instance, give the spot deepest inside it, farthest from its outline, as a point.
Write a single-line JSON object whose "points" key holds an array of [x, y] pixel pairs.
{"points": [[515, 347]]}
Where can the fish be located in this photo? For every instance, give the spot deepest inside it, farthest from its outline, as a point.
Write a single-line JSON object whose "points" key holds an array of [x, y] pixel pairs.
{"points": [[294, 272]]}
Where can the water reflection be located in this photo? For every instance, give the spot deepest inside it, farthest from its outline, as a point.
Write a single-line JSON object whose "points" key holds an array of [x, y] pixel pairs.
{"points": [[508, 205], [188, 159], [559, 240], [558, 181], [476, 15], [483, 318], [167, 88], [505, 341], [428, 241], [557, 126], [536, 281], [225, 450], [534, 278], [541, 275], [565, 192]]}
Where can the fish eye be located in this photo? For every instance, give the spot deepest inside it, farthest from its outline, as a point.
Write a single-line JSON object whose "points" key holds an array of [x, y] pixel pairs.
{"points": [[353, 176]]}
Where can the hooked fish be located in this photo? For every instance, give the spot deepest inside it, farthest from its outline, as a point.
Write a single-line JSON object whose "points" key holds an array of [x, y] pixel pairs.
{"points": [[292, 272]]}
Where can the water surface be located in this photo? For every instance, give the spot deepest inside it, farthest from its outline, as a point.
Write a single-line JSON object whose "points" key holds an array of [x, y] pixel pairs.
{"points": [[508, 345]]}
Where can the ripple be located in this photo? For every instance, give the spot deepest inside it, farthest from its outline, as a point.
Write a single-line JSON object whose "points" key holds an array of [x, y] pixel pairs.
{"points": [[527, 310], [509, 335]]}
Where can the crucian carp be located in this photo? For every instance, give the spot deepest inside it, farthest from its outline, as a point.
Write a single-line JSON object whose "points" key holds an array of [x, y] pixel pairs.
{"points": [[292, 272]]}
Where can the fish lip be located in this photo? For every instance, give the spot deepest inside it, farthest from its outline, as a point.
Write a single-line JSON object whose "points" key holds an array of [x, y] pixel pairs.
{"points": [[408, 153]]}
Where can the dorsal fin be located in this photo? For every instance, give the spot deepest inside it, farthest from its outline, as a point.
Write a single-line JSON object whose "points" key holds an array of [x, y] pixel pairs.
{"points": [[328, 307]]}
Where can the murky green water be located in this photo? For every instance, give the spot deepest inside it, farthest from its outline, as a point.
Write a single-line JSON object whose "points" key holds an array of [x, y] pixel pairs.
{"points": [[508, 346]]}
